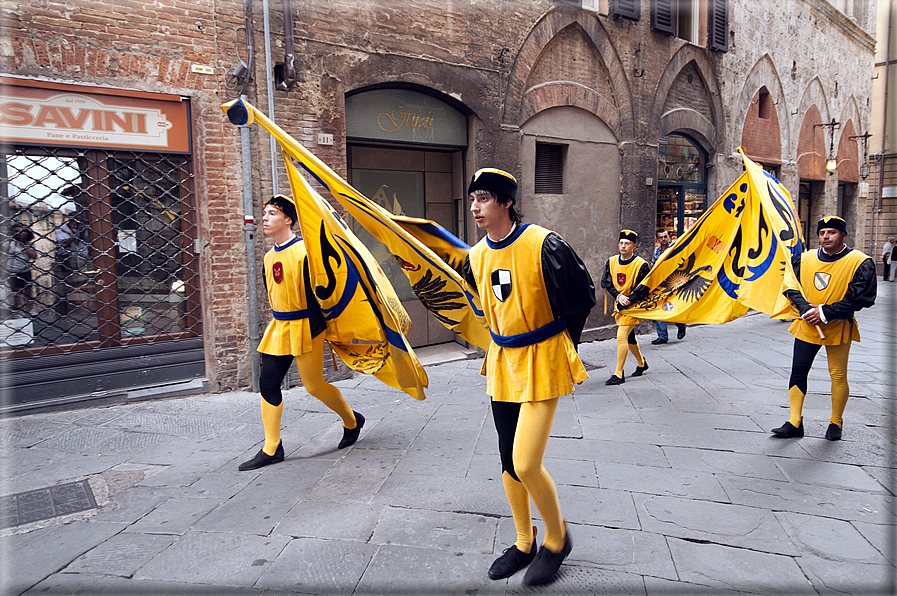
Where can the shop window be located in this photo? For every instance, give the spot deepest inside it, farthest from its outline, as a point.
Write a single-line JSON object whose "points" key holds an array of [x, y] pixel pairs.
{"points": [[549, 174], [681, 184], [107, 256]]}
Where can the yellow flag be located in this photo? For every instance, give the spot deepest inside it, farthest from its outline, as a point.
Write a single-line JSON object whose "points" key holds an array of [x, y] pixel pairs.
{"points": [[365, 319], [734, 258], [429, 255]]}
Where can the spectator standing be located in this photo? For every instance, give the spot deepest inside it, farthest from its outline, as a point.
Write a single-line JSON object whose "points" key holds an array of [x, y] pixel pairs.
{"points": [[663, 239]]}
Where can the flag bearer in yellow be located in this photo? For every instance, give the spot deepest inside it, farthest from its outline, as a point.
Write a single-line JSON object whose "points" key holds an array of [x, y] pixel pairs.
{"points": [[622, 274], [297, 330], [536, 295], [837, 281]]}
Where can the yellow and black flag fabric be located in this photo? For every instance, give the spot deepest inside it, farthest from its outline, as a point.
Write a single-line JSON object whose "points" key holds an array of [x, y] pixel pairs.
{"points": [[365, 319], [734, 258], [429, 255]]}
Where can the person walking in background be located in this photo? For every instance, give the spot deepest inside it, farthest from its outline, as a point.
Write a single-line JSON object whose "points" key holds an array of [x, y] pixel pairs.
{"points": [[71, 256], [536, 295], [662, 237], [622, 274], [297, 331], [830, 284], [17, 255], [886, 257]]}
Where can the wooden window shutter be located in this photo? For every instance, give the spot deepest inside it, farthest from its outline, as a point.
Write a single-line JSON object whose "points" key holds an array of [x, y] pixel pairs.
{"points": [[718, 26], [549, 179], [662, 16], [627, 9]]}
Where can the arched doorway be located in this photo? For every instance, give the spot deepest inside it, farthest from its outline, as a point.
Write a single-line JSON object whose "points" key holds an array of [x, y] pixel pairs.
{"points": [[406, 153]]}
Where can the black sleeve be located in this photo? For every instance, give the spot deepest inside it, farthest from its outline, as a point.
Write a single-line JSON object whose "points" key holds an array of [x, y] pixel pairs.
{"points": [[571, 291], [796, 298], [607, 282], [861, 293], [468, 273], [316, 320], [642, 273], [639, 292]]}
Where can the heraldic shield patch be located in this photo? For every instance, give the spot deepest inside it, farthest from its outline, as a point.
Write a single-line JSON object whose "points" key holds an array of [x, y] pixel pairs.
{"points": [[501, 284], [621, 279], [277, 272], [821, 279]]}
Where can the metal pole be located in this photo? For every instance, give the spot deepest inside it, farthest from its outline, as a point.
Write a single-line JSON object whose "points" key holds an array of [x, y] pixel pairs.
{"points": [[270, 87]]}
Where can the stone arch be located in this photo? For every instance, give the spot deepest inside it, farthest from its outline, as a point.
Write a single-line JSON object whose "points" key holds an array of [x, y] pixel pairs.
{"points": [[706, 123], [764, 74], [522, 102], [811, 146], [814, 94]]}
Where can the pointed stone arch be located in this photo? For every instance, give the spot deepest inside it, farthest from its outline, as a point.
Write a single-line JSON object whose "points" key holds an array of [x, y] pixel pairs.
{"points": [[702, 117], [526, 95], [764, 74], [813, 95]]}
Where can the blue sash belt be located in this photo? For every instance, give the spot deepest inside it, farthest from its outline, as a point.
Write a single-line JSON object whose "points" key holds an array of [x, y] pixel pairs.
{"points": [[292, 315], [530, 337]]}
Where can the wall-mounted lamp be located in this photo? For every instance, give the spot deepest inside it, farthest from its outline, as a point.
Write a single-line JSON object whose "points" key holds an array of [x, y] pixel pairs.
{"points": [[864, 169], [831, 164]]}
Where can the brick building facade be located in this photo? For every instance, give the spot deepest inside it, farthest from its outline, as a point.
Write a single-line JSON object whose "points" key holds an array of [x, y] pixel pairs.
{"points": [[611, 115]]}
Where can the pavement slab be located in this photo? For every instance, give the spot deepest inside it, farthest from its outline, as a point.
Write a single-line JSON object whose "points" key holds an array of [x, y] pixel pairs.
{"points": [[316, 566], [121, 555], [327, 520], [410, 570], [823, 473], [660, 481], [723, 462], [438, 530], [718, 523]]}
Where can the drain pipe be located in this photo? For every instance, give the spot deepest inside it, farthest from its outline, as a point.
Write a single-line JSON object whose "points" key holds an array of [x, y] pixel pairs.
{"points": [[289, 56], [249, 217], [270, 88]]}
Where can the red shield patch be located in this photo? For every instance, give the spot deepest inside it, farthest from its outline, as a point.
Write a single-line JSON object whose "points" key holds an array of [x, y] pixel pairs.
{"points": [[621, 279], [277, 271]]}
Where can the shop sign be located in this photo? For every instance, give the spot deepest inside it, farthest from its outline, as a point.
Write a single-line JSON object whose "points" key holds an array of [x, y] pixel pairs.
{"points": [[405, 116], [44, 113]]}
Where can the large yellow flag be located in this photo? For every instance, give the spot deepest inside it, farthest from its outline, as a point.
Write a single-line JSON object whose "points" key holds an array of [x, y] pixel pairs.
{"points": [[734, 258], [365, 319], [429, 255]]}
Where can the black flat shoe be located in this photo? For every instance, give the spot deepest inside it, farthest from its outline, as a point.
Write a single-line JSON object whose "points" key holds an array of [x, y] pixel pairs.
{"points": [[833, 433], [350, 435], [615, 380], [640, 370], [546, 564], [262, 459], [658, 341], [513, 560], [681, 333], [787, 431]]}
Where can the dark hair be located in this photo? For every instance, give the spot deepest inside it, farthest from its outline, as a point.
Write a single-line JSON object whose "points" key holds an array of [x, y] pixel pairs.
{"points": [[503, 200], [285, 205], [29, 235]]}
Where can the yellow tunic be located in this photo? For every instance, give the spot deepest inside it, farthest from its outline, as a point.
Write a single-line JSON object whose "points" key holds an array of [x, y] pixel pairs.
{"points": [[286, 294], [544, 370], [826, 283], [623, 277]]}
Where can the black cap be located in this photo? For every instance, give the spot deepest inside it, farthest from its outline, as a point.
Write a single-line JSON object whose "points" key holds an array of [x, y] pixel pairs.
{"points": [[629, 235], [285, 204], [496, 181], [832, 221]]}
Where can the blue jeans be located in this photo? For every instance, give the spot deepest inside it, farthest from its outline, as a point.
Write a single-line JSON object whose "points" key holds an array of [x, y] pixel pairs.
{"points": [[662, 329]]}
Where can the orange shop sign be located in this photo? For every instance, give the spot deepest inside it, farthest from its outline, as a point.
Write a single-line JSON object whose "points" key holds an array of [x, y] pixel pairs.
{"points": [[44, 113]]}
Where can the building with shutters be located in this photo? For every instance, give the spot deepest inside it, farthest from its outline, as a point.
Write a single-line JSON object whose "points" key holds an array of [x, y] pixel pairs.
{"points": [[610, 113]]}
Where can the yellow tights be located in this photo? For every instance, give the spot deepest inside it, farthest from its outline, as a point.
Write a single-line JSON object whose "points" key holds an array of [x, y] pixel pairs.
{"points": [[626, 343]]}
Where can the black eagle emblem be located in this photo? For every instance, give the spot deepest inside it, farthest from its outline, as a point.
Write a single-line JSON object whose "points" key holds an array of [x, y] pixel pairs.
{"points": [[685, 282], [431, 291]]}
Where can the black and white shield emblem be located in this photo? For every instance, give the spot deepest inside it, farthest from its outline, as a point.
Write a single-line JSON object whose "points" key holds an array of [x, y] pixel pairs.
{"points": [[501, 284]]}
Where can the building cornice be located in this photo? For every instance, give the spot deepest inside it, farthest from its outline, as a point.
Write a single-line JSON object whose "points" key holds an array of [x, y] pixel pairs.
{"points": [[847, 25]]}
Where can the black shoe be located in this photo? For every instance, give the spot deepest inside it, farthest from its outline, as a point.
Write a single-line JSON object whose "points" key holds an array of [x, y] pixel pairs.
{"points": [[787, 430], [512, 560], [681, 333], [833, 433], [640, 370], [350, 435], [658, 341], [546, 564], [615, 380], [262, 459]]}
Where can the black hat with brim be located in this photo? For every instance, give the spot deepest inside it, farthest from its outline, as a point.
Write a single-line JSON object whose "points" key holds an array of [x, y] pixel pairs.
{"points": [[285, 204], [833, 222], [629, 235]]}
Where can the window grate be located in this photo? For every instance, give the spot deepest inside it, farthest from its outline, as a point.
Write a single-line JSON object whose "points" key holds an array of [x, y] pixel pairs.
{"points": [[549, 175], [96, 250]]}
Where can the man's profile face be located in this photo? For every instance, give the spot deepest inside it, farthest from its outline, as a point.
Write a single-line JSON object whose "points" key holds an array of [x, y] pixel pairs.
{"points": [[275, 221]]}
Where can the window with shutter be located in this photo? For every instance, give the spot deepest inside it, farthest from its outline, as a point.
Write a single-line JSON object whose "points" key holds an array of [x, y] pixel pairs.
{"points": [[627, 9], [662, 16], [549, 175], [718, 26]]}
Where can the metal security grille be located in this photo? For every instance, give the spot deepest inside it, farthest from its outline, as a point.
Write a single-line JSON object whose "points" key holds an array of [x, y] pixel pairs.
{"points": [[97, 250]]}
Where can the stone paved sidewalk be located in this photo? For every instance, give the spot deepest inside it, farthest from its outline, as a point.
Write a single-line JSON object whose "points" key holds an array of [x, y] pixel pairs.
{"points": [[671, 484]]}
